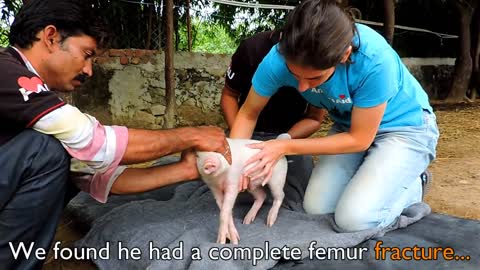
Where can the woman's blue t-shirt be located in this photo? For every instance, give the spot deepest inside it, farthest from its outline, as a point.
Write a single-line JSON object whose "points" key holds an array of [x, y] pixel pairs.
{"points": [[376, 75]]}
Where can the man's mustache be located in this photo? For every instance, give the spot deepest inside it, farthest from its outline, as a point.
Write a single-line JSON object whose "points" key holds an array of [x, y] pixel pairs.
{"points": [[81, 77]]}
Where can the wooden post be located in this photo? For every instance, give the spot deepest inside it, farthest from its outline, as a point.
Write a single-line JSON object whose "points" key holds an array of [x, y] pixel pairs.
{"points": [[389, 20], [463, 63], [169, 71], [150, 8]]}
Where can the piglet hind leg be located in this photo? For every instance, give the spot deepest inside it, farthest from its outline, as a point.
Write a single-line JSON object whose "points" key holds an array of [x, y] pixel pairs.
{"points": [[277, 202], [276, 188], [259, 195]]}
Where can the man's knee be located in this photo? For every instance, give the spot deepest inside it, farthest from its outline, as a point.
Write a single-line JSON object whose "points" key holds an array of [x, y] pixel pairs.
{"points": [[43, 151], [31, 155], [41, 156], [50, 148]]}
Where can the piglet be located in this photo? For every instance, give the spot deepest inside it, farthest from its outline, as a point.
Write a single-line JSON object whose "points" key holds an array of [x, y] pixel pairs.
{"points": [[223, 180]]}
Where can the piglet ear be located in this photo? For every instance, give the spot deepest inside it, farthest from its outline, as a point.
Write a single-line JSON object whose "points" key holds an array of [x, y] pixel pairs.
{"points": [[210, 167]]}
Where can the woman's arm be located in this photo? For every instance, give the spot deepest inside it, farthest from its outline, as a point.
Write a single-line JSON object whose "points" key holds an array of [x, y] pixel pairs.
{"points": [[364, 126]]}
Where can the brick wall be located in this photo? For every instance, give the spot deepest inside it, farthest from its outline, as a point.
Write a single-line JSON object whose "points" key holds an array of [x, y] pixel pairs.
{"points": [[125, 56], [128, 86]]}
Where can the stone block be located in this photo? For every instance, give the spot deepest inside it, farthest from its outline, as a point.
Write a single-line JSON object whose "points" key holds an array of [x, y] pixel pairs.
{"points": [[158, 109], [144, 117], [135, 60]]}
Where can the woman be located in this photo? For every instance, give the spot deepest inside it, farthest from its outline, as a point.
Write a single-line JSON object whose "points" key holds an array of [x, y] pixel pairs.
{"points": [[384, 133]]}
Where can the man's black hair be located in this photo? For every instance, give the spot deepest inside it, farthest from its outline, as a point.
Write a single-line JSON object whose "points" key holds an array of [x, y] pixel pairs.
{"points": [[70, 17]]}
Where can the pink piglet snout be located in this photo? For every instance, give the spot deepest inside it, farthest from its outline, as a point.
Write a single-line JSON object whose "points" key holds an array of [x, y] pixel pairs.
{"points": [[210, 165]]}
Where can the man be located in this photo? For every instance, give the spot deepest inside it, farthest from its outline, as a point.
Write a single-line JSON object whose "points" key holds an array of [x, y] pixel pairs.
{"points": [[287, 115], [53, 43], [286, 112]]}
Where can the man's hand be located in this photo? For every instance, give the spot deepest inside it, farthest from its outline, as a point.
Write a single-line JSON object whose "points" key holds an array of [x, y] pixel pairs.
{"points": [[212, 139], [190, 160]]}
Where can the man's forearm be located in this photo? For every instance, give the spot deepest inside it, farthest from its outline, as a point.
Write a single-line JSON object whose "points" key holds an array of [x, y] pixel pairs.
{"points": [[229, 105], [308, 125], [304, 128], [140, 180], [229, 109], [146, 145]]}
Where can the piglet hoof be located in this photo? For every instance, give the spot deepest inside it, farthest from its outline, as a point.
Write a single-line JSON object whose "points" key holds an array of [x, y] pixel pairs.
{"points": [[272, 217], [232, 231], [249, 218], [228, 232], [222, 237]]}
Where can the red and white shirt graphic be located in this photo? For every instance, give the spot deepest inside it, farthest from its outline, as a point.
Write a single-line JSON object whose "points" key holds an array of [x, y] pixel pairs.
{"points": [[30, 85]]}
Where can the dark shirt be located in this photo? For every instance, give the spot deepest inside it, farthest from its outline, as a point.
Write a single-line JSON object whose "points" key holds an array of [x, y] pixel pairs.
{"points": [[24, 97], [286, 107]]}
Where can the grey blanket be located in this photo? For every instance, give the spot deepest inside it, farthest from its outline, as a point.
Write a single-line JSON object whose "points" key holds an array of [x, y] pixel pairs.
{"points": [[180, 233], [433, 231]]}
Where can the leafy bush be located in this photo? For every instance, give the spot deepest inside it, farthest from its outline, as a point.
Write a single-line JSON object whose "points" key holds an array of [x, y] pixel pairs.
{"points": [[207, 37]]}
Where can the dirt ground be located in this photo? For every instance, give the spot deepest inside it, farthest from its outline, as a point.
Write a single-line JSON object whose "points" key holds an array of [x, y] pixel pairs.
{"points": [[456, 175], [456, 171]]}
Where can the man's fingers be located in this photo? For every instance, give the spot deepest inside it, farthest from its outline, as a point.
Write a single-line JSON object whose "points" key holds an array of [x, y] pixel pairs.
{"points": [[222, 147], [227, 152]]}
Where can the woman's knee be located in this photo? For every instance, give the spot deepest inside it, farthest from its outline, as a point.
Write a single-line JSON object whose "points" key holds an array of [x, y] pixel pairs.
{"points": [[318, 199], [324, 190], [315, 207], [353, 219], [361, 213]]}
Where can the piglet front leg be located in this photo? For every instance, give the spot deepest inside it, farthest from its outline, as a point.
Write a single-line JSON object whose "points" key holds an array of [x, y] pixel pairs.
{"points": [[227, 226], [219, 196]]}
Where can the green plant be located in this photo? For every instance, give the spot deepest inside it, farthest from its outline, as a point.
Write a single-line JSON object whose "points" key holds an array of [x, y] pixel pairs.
{"points": [[208, 37]]}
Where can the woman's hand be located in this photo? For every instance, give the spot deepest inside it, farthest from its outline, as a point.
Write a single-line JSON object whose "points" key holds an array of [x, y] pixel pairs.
{"points": [[270, 152]]}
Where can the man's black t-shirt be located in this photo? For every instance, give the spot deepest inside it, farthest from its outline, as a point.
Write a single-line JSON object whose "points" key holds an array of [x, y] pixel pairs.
{"points": [[286, 107], [24, 97]]}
